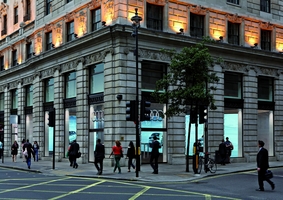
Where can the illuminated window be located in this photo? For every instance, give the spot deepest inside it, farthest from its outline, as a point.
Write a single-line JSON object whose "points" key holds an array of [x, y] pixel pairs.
{"points": [[154, 17], [233, 33], [196, 25]]}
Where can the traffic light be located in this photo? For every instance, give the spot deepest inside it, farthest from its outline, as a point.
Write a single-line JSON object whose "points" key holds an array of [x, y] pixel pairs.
{"points": [[131, 111], [51, 118], [202, 114], [145, 111], [193, 116]]}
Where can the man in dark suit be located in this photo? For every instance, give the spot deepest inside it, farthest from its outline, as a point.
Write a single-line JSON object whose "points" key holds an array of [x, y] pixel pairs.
{"points": [[262, 166], [222, 152], [99, 155], [74, 151], [154, 155]]}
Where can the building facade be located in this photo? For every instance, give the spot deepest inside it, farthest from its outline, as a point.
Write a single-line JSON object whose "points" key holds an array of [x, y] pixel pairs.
{"points": [[78, 57]]}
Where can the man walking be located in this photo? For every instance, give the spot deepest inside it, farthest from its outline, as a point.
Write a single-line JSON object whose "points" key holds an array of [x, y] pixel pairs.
{"points": [[154, 155], [99, 155], [74, 151], [28, 147], [262, 166], [222, 152]]}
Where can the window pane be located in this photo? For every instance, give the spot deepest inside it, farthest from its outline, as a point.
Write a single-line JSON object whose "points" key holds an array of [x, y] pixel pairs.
{"points": [[266, 40], [196, 25], [70, 31], [151, 73], [29, 95], [154, 17], [96, 19], [14, 99], [233, 85], [2, 102], [233, 33], [71, 85], [97, 78], [49, 90], [265, 89], [48, 41]]}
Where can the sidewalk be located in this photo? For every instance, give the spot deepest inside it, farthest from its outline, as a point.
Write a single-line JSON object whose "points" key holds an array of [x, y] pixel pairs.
{"points": [[167, 172]]}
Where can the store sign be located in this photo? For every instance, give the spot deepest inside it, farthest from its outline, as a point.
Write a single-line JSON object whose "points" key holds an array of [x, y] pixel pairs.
{"points": [[98, 116], [156, 115]]}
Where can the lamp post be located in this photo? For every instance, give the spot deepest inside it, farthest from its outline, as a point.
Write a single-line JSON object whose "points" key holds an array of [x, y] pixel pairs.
{"points": [[136, 24]]}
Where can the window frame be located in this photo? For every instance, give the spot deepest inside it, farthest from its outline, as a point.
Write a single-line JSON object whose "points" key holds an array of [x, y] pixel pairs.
{"points": [[195, 20], [265, 40], [48, 41], [29, 50], [94, 76], [2, 63], [96, 19], [233, 34], [265, 6], [49, 89], [48, 7], [29, 95], [231, 79], [70, 31], [265, 84], [234, 1], [154, 17], [69, 80], [14, 57], [16, 15], [14, 99]]}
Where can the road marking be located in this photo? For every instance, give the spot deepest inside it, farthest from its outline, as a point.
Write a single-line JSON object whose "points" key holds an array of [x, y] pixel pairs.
{"points": [[77, 191], [28, 186], [146, 188]]}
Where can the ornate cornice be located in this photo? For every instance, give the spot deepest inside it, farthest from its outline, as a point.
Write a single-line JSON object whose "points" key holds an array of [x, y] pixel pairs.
{"points": [[69, 16], [28, 80], [198, 10], [48, 27], [234, 18], [268, 71], [3, 8], [69, 66], [94, 58], [153, 55], [47, 73], [231, 66]]}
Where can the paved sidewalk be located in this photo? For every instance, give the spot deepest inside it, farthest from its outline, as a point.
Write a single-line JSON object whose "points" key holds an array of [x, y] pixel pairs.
{"points": [[167, 172]]}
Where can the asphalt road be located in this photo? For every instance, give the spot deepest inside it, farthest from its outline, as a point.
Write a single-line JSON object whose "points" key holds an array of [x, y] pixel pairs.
{"points": [[26, 185]]}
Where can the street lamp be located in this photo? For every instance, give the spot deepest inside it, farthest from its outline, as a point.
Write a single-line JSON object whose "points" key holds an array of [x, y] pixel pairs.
{"points": [[136, 24]]}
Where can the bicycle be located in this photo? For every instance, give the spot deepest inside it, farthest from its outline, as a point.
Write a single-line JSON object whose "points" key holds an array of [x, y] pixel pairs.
{"points": [[209, 166]]}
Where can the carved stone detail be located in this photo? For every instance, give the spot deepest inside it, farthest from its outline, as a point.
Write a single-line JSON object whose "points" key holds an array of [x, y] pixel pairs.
{"points": [[230, 66], [268, 71], [266, 26], [47, 73], [70, 16], [109, 9], [48, 27], [157, 2], [93, 58], [28, 80], [94, 4], [155, 55], [13, 85], [198, 10], [69, 66], [3, 8], [234, 18]]}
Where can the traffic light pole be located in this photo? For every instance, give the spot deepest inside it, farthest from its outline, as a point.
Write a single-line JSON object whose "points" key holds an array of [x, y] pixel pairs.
{"points": [[53, 162]]}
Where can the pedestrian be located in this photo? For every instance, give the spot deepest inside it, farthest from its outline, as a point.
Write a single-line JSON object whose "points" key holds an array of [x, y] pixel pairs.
{"points": [[14, 151], [99, 155], [117, 150], [1, 149], [154, 155], [74, 153], [28, 151], [262, 166], [35, 147], [68, 155], [131, 153], [229, 148], [222, 152], [23, 155]]}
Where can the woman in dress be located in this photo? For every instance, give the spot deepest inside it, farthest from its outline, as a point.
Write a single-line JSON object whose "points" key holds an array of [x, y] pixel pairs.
{"points": [[14, 151]]}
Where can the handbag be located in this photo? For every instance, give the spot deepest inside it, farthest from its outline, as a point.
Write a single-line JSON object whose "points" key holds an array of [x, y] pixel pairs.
{"points": [[79, 154], [268, 174]]}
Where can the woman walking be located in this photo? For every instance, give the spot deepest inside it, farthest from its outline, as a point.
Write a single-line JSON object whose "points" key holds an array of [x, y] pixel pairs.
{"points": [[23, 154], [131, 155], [117, 150], [14, 151]]}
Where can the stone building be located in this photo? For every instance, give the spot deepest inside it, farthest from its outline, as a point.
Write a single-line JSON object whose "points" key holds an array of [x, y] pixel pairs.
{"points": [[78, 57]]}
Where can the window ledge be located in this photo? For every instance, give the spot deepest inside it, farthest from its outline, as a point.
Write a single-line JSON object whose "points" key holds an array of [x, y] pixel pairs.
{"points": [[233, 4]]}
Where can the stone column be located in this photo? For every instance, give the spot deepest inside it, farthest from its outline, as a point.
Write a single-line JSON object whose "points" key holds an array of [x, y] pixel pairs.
{"points": [[82, 110], [59, 107], [7, 125], [38, 113]]}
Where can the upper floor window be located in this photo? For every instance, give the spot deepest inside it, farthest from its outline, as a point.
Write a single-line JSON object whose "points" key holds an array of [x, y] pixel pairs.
{"points": [[233, 1], [265, 5], [96, 19], [71, 85], [2, 100], [265, 88], [48, 7], [14, 99], [151, 73], [2, 67], [5, 1], [4, 30], [14, 58], [154, 17], [97, 78], [29, 50], [233, 33], [265, 40], [29, 95], [28, 11], [16, 15], [70, 31], [233, 85], [49, 90], [196, 25], [48, 40]]}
